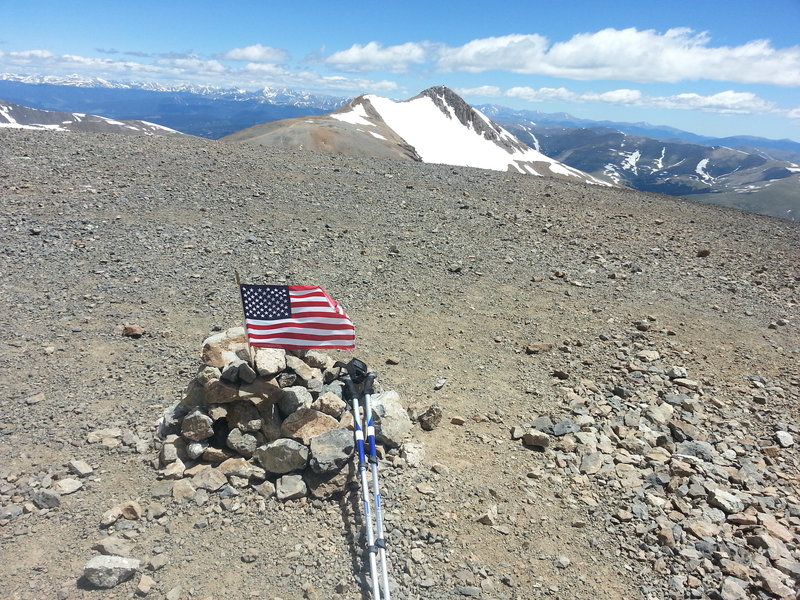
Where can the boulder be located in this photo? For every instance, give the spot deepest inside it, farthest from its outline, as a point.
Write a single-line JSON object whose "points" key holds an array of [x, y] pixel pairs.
{"points": [[290, 487], [331, 449], [243, 443], [293, 399], [197, 426], [282, 456], [270, 361], [109, 571], [392, 423], [223, 348], [306, 423]]}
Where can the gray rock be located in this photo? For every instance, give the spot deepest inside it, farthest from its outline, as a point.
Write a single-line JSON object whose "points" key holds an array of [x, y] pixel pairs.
{"points": [[46, 498], [294, 398], [784, 438], [246, 372], [197, 426], [431, 418], [392, 423], [230, 372], [290, 487], [80, 467], [726, 501], [68, 485], [282, 456], [698, 449], [564, 427], [591, 463], [109, 571], [113, 546], [331, 450], [243, 443], [536, 439]]}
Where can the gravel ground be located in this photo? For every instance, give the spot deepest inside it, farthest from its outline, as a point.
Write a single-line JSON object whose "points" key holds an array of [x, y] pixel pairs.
{"points": [[530, 297]]}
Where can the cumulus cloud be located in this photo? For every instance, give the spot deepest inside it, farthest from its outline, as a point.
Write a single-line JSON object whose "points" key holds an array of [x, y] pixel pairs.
{"points": [[722, 102], [257, 53], [374, 56], [794, 113], [194, 65], [728, 101], [509, 53], [678, 54]]}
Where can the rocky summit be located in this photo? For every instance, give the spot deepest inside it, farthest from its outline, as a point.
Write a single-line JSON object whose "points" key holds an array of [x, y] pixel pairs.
{"points": [[590, 392]]}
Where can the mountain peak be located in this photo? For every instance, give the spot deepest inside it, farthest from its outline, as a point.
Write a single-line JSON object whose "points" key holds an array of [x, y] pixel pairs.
{"points": [[435, 126]]}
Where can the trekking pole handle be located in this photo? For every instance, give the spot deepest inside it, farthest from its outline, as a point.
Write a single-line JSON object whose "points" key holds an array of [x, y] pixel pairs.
{"points": [[369, 383], [349, 387]]}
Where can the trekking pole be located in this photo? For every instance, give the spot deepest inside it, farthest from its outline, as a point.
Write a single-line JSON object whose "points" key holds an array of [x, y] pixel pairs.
{"points": [[369, 550], [380, 542]]}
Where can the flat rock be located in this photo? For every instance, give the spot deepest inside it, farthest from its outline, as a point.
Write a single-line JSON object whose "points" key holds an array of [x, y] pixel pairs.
{"points": [[210, 479], [113, 546], [109, 571], [305, 423], [290, 487], [67, 485], [282, 456]]}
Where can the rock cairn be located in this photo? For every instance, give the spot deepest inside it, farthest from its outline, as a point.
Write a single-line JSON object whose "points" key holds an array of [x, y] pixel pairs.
{"points": [[691, 490], [276, 423]]}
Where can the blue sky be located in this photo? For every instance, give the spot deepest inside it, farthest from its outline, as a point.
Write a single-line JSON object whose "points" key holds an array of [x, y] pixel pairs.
{"points": [[715, 67]]}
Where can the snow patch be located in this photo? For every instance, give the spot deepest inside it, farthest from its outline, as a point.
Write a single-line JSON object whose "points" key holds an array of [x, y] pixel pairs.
{"points": [[420, 123], [660, 161], [357, 116], [700, 169], [631, 161]]}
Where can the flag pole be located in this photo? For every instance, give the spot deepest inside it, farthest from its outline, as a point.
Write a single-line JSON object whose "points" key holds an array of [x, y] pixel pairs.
{"points": [[246, 336]]}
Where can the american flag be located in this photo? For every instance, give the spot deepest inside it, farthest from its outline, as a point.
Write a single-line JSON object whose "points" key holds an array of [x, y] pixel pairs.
{"points": [[295, 317]]}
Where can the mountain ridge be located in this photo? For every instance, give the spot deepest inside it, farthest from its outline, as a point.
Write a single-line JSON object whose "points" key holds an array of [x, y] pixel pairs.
{"points": [[435, 126]]}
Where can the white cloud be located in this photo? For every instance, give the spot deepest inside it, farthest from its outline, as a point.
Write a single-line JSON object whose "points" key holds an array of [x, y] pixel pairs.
{"points": [[509, 53], [679, 54], [264, 69], [483, 90], [723, 102], [194, 65], [373, 56], [257, 53], [546, 94], [31, 54], [794, 113]]}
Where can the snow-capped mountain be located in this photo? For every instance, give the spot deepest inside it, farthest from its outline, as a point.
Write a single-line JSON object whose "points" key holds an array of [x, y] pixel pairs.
{"points": [[268, 95], [14, 116], [436, 126], [759, 180]]}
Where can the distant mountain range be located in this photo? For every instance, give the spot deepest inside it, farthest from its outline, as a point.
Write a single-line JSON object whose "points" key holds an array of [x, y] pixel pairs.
{"points": [[754, 174], [204, 111], [435, 126], [14, 116]]}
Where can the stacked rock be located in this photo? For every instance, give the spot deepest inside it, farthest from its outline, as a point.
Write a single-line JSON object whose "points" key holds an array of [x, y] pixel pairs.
{"points": [[276, 422]]}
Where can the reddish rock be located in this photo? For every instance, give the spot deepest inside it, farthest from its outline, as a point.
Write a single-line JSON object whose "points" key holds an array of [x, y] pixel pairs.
{"points": [[305, 423]]}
